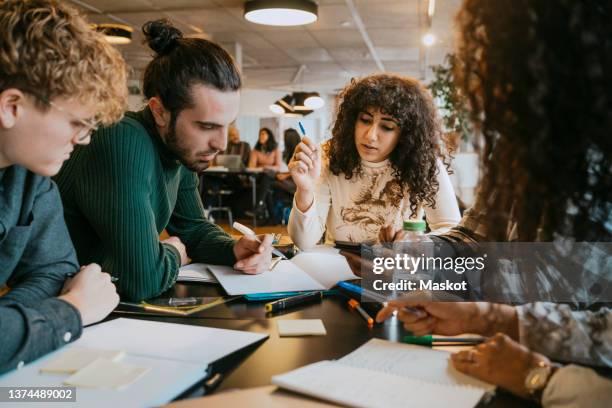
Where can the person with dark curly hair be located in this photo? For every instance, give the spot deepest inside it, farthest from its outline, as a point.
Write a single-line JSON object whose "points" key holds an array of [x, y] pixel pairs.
{"points": [[537, 76], [384, 164]]}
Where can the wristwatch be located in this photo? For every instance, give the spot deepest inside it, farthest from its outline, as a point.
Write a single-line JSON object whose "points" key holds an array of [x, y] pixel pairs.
{"points": [[537, 379]]}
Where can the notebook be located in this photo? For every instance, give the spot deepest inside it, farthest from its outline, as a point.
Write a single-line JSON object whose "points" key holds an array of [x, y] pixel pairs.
{"points": [[195, 272], [160, 361], [385, 374], [305, 271]]}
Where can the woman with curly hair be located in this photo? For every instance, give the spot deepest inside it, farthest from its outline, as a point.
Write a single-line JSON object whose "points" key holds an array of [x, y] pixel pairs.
{"points": [[537, 76], [384, 164]]}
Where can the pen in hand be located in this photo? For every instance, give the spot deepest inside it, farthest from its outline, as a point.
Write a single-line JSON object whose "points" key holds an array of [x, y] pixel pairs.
{"points": [[243, 229]]}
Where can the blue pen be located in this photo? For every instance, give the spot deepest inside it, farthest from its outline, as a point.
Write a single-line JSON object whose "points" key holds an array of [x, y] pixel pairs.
{"points": [[302, 128]]}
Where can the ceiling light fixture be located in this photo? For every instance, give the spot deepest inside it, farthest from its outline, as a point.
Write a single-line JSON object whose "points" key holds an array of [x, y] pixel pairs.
{"points": [[314, 101], [429, 39], [115, 33], [297, 104], [281, 12], [277, 109]]}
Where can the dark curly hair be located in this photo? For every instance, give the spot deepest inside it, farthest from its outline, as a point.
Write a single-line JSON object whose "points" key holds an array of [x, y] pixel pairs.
{"points": [[537, 74], [414, 159]]}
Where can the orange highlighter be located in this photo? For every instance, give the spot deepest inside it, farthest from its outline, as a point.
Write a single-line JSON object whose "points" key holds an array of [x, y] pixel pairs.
{"points": [[353, 304]]}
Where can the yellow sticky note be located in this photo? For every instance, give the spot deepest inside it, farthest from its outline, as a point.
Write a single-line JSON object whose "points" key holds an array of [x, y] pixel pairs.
{"points": [[106, 374], [74, 358]]}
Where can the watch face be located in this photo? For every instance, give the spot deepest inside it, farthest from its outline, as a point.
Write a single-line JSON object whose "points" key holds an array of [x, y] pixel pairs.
{"points": [[537, 378]]}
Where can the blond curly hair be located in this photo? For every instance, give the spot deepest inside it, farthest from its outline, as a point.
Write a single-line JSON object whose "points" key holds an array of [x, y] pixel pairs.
{"points": [[48, 50]]}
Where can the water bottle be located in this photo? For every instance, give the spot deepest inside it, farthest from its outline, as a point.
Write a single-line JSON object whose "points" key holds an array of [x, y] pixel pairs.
{"points": [[414, 249]]}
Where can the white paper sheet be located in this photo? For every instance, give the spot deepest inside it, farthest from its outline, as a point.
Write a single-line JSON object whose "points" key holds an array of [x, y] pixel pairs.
{"points": [[360, 387], [407, 360], [317, 270], [167, 340], [195, 272], [386, 374], [326, 268], [284, 278]]}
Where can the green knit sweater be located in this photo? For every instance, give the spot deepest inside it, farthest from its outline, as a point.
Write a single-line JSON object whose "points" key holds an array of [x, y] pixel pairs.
{"points": [[120, 192]]}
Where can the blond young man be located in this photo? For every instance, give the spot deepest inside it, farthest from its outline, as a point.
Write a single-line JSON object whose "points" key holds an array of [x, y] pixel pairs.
{"points": [[58, 81]]}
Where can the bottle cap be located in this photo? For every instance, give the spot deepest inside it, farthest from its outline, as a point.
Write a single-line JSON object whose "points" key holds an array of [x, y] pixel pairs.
{"points": [[415, 225]]}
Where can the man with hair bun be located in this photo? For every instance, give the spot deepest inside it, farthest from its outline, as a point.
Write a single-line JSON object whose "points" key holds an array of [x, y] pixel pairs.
{"points": [[59, 80], [139, 177]]}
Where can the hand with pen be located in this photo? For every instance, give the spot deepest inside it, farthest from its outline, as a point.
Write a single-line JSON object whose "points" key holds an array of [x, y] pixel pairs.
{"points": [[253, 253], [305, 169], [92, 293], [496, 321]]}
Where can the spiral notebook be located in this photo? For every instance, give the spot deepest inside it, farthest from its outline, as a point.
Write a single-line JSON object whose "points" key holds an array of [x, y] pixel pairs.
{"points": [[385, 374]]}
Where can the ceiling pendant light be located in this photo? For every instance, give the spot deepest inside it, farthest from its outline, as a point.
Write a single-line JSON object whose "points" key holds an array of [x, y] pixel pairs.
{"points": [[277, 109], [297, 104], [314, 101], [298, 101], [281, 12], [115, 33]]}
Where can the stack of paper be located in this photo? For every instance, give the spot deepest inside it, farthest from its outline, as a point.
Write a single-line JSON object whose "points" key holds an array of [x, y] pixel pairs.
{"points": [[195, 272], [385, 374]]}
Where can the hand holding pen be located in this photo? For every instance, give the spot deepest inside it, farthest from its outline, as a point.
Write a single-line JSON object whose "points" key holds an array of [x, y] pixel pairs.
{"points": [[91, 292], [444, 318], [253, 253], [305, 169]]}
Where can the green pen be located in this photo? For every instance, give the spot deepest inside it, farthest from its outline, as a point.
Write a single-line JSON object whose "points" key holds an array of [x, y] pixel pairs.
{"points": [[443, 341]]}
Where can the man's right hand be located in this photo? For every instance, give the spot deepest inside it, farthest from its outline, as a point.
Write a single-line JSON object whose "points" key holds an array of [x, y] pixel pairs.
{"points": [[92, 293], [178, 244]]}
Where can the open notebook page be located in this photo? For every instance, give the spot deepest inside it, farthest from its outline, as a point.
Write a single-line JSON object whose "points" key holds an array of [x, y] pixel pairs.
{"points": [[326, 268], [285, 277], [359, 387], [406, 360], [305, 271]]}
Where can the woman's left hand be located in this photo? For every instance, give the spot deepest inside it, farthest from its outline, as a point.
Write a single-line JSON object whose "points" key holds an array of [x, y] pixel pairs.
{"points": [[500, 361]]}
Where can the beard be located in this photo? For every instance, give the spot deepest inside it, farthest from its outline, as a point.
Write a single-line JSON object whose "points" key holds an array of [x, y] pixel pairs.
{"points": [[191, 161]]}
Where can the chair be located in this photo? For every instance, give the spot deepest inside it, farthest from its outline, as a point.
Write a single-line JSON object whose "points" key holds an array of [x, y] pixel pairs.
{"points": [[220, 207], [216, 189]]}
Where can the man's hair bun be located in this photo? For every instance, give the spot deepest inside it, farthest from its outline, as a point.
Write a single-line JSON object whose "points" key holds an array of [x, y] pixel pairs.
{"points": [[161, 36]]}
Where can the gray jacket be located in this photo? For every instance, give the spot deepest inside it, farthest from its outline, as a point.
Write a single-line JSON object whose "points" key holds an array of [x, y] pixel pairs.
{"points": [[36, 254]]}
